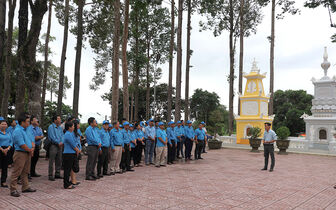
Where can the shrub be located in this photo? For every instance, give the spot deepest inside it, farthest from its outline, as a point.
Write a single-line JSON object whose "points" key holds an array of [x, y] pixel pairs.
{"points": [[283, 132], [254, 132]]}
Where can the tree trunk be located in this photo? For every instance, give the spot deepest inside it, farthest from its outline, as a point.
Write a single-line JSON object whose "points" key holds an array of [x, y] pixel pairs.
{"points": [[270, 109], [137, 68], [179, 62], [63, 57], [46, 62], [132, 109], [23, 31], [186, 111], [2, 41], [231, 95], [171, 58], [6, 92], [75, 103], [241, 51], [29, 51], [115, 68], [124, 63], [148, 114]]}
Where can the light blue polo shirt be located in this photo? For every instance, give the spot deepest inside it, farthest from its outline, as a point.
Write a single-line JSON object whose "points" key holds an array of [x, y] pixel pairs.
{"points": [[162, 134], [270, 136]]}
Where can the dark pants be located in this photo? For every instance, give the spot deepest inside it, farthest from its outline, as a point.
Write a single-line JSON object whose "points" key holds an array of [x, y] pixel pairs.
{"points": [[199, 148], [138, 152], [269, 151], [68, 164], [10, 155], [188, 148], [133, 155], [149, 152], [103, 161], [171, 152], [55, 156], [180, 147], [34, 160], [92, 152], [4, 159], [126, 158], [204, 146]]}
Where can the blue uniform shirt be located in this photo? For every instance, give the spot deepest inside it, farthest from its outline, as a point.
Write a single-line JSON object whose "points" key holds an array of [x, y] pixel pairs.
{"points": [[79, 132], [133, 137], [92, 137], [171, 135], [162, 134], [139, 134], [150, 131], [70, 143], [55, 134], [269, 136], [105, 138], [189, 132], [10, 129], [126, 136], [20, 138], [5, 139], [117, 137], [200, 133], [35, 131]]}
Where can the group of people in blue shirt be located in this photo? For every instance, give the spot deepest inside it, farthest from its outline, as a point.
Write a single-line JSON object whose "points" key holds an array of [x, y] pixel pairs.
{"points": [[110, 150], [24, 136]]}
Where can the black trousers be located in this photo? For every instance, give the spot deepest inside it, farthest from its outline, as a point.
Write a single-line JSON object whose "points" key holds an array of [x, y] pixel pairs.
{"points": [[10, 155], [171, 152], [126, 158], [4, 160], [34, 159], [269, 151], [188, 147], [68, 164], [138, 152], [92, 152], [199, 148], [133, 155], [178, 149], [103, 161], [204, 146]]}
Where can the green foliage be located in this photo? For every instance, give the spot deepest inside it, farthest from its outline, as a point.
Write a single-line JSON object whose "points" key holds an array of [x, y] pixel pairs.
{"points": [[283, 132], [50, 109], [53, 81], [218, 121], [289, 106], [202, 104], [161, 99], [217, 13], [205, 106], [254, 132], [149, 24], [330, 4], [83, 127]]}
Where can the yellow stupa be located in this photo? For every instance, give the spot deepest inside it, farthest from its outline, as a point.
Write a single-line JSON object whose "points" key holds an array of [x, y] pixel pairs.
{"points": [[253, 105]]}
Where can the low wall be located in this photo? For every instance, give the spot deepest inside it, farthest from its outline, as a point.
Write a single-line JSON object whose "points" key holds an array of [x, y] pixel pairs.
{"points": [[297, 145]]}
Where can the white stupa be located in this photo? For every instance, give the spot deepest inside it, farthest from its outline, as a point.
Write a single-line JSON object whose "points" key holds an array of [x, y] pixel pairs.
{"points": [[320, 127]]}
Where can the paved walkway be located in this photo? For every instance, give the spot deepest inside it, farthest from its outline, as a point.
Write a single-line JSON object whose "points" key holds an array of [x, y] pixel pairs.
{"points": [[225, 179]]}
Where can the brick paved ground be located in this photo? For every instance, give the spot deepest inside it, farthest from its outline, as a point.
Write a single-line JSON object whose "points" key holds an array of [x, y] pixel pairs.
{"points": [[225, 179]]}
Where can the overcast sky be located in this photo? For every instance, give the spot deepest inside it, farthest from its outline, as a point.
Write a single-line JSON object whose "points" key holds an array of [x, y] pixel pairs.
{"points": [[299, 45]]}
